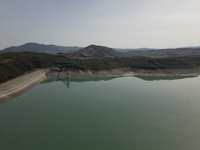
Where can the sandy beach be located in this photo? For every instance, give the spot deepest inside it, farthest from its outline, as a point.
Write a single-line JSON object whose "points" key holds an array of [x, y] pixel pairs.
{"points": [[24, 83]]}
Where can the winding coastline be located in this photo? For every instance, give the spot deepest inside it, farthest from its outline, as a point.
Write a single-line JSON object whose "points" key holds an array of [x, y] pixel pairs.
{"points": [[24, 83]]}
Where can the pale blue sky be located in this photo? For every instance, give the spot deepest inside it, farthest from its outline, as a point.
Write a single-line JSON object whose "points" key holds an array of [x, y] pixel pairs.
{"points": [[112, 23]]}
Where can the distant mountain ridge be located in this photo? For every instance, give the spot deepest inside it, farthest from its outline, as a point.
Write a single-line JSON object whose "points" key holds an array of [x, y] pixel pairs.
{"points": [[40, 48], [132, 49], [102, 51], [178, 52], [148, 49], [94, 51]]}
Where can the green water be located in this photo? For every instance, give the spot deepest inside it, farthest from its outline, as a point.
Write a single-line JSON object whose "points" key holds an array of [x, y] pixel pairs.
{"points": [[125, 113]]}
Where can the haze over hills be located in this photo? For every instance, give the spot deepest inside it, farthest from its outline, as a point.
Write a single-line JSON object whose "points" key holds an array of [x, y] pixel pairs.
{"points": [[164, 52], [147, 49], [132, 49], [40, 48], [102, 51]]}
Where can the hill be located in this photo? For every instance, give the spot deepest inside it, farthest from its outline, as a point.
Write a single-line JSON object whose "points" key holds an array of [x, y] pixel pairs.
{"points": [[94, 51], [164, 52], [131, 49], [14, 64], [17, 63], [40, 48], [102, 51], [148, 49]]}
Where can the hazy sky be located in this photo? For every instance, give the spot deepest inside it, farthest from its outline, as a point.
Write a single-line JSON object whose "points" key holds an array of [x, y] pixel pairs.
{"points": [[112, 23]]}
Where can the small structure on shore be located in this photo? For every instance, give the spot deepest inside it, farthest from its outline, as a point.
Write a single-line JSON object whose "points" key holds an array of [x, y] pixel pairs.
{"points": [[62, 69]]}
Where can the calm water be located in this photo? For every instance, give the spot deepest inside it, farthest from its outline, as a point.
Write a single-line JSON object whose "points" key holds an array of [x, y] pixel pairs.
{"points": [[125, 113]]}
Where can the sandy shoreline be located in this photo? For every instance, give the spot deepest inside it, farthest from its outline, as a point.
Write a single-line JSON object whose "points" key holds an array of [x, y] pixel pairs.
{"points": [[24, 83]]}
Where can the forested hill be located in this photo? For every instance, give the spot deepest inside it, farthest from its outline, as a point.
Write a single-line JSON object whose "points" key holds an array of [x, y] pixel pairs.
{"points": [[14, 64], [40, 48]]}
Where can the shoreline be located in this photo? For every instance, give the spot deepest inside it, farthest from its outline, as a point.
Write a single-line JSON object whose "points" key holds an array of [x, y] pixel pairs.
{"points": [[125, 72], [22, 84]]}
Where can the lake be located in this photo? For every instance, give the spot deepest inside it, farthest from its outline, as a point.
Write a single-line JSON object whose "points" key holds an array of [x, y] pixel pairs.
{"points": [[112, 113]]}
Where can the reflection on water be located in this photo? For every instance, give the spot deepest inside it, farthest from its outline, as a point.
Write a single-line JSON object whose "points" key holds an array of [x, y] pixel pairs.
{"points": [[124, 113], [96, 79], [157, 78], [78, 79], [66, 82]]}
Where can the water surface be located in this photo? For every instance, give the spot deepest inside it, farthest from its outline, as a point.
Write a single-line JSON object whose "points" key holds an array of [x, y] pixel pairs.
{"points": [[122, 113]]}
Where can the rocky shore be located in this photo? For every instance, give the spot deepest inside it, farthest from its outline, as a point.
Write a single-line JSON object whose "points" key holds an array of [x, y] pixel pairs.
{"points": [[125, 72]]}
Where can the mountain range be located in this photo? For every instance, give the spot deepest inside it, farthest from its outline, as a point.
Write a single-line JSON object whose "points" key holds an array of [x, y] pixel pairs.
{"points": [[40, 48], [102, 51]]}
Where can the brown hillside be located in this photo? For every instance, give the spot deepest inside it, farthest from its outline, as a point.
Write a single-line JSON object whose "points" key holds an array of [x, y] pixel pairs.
{"points": [[94, 51]]}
